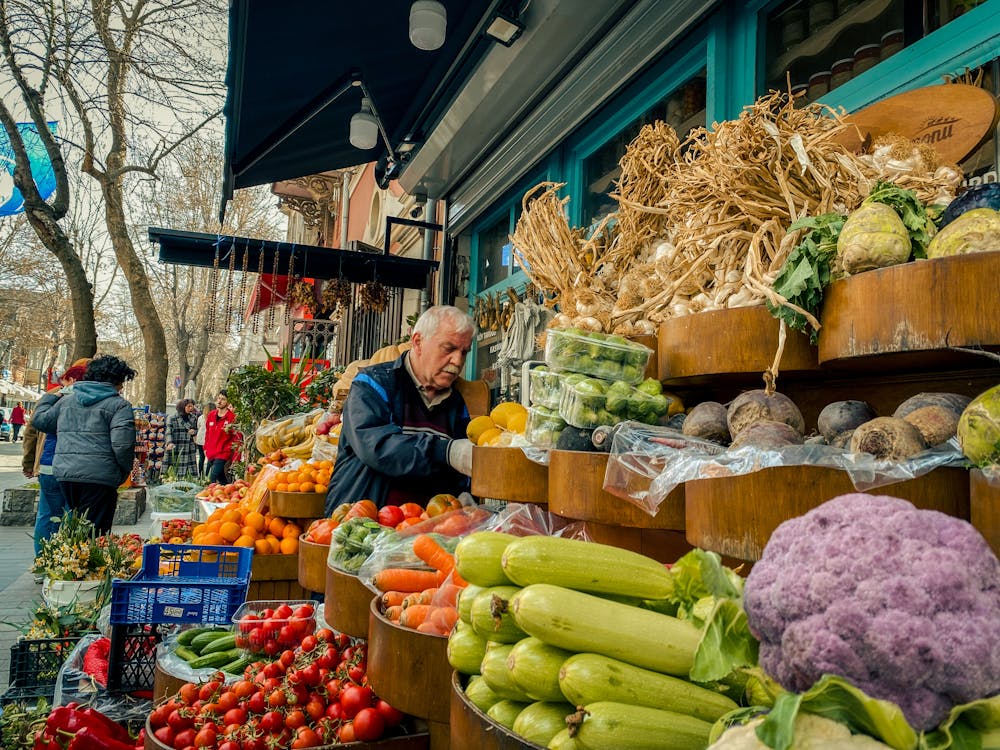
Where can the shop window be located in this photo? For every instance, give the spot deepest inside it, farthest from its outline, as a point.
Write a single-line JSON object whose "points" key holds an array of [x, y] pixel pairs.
{"points": [[683, 109], [981, 166], [494, 255], [822, 44]]}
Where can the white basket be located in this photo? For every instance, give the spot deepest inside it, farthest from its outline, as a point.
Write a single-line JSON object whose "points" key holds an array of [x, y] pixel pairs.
{"points": [[63, 593]]}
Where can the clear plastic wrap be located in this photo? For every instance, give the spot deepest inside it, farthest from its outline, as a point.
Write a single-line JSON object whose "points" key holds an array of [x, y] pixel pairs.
{"points": [[609, 357], [353, 541], [543, 427], [647, 463], [74, 684], [287, 431], [174, 497], [177, 667], [544, 387]]}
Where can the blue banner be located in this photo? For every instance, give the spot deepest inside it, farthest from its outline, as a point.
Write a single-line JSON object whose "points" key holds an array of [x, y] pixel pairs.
{"points": [[11, 201]]}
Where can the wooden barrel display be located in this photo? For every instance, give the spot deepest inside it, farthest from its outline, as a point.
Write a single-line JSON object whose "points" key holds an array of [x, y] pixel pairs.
{"points": [[297, 504], [164, 684], [737, 341], [984, 507], [345, 603], [312, 564], [507, 474], [736, 516], [913, 312], [275, 577], [576, 490], [409, 669], [470, 727]]}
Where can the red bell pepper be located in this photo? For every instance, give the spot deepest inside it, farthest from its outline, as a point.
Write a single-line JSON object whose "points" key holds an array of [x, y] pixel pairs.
{"points": [[65, 724], [89, 738]]}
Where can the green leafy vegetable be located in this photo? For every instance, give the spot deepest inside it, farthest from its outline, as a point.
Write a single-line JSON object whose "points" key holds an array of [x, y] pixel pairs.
{"points": [[806, 272], [915, 217]]}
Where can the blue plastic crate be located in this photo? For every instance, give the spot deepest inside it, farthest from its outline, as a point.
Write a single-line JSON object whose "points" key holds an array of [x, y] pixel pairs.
{"points": [[183, 583]]}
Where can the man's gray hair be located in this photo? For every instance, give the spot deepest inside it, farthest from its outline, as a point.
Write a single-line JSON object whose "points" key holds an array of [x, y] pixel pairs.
{"points": [[427, 324]]}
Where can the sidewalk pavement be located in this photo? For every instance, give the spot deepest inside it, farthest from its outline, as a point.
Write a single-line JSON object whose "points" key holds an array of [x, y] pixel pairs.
{"points": [[19, 594]]}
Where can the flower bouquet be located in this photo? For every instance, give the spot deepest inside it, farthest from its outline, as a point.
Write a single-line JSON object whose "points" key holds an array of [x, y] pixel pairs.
{"points": [[78, 565]]}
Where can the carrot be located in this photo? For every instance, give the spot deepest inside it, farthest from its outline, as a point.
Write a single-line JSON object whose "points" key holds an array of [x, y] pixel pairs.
{"points": [[429, 551], [430, 629], [392, 598], [414, 615], [405, 579], [444, 618], [419, 597], [447, 595], [392, 613], [452, 576]]}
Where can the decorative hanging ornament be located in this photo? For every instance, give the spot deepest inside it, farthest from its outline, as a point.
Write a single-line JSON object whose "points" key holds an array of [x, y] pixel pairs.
{"points": [[214, 287], [303, 294], [288, 296], [274, 289], [373, 297], [336, 296], [229, 284], [243, 286], [260, 290]]}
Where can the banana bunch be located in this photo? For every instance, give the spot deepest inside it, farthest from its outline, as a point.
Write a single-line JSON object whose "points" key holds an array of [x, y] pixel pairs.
{"points": [[301, 450], [292, 435]]}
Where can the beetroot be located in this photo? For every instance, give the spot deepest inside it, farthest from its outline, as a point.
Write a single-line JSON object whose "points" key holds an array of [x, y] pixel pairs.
{"points": [[954, 401], [937, 424], [888, 438], [843, 416], [767, 434], [754, 406], [707, 421]]}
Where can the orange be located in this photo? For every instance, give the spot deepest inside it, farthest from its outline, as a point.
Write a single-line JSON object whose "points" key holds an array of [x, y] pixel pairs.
{"points": [[293, 487], [307, 487], [212, 538], [244, 541], [276, 525], [321, 488], [282, 487], [325, 464], [289, 545], [249, 531], [229, 531], [255, 520], [290, 530], [232, 516], [213, 525], [262, 547], [274, 543]]}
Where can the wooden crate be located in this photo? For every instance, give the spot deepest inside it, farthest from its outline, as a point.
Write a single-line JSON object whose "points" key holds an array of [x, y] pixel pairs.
{"points": [[275, 577]]}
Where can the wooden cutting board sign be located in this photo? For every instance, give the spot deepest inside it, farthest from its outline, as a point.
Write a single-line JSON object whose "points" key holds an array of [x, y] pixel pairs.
{"points": [[955, 118]]}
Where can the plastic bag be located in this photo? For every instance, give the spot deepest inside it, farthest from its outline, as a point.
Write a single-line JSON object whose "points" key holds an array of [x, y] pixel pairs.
{"points": [[175, 497], [647, 463], [177, 667], [74, 684], [324, 451], [292, 431], [352, 542]]}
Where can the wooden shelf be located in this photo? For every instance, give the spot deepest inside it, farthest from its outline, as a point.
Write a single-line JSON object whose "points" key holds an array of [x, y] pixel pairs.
{"points": [[507, 474], [984, 508], [345, 603]]}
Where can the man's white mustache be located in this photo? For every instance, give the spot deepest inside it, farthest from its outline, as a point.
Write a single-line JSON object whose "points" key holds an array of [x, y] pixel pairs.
{"points": [[451, 370]]}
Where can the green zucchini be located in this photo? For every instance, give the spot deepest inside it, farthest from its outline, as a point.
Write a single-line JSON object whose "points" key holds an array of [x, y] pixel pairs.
{"points": [[535, 666], [589, 678], [214, 660], [563, 741], [185, 637], [481, 694], [505, 712], [491, 616], [465, 599], [608, 724], [477, 558], [541, 721], [585, 566], [466, 649], [200, 641], [237, 665], [226, 643], [185, 653], [580, 622], [497, 676]]}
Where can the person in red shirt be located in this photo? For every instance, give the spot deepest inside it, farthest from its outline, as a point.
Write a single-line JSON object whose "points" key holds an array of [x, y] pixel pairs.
{"points": [[17, 419], [220, 434]]}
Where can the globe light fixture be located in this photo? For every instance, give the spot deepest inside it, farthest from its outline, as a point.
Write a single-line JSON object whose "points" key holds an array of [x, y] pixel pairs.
{"points": [[364, 127], [428, 23]]}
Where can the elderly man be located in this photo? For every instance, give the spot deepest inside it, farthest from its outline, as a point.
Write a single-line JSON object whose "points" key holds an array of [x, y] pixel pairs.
{"points": [[403, 435]]}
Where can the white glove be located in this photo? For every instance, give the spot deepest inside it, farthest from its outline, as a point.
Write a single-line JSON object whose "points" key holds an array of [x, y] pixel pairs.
{"points": [[460, 456], [467, 500]]}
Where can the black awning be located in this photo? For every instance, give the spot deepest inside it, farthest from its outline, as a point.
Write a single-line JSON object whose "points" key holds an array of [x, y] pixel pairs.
{"points": [[199, 249], [291, 64]]}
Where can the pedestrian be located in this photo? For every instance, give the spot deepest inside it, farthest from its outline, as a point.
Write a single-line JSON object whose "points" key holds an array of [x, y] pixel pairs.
{"points": [[182, 427], [220, 434], [95, 449], [199, 438], [17, 419], [36, 461]]}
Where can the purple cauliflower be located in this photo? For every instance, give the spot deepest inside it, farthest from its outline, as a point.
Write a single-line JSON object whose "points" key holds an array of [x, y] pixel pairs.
{"points": [[904, 603]]}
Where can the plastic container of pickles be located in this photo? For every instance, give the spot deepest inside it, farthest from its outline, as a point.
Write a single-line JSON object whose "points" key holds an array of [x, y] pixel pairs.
{"points": [[600, 355], [590, 402], [544, 387]]}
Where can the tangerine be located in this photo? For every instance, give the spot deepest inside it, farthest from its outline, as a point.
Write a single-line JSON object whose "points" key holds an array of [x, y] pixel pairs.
{"points": [[232, 516], [290, 530], [255, 520], [245, 541], [230, 531], [289, 545], [274, 543], [213, 538], [321, 488], [262, 547], [282, 487], [276, 525], [307, 487]]}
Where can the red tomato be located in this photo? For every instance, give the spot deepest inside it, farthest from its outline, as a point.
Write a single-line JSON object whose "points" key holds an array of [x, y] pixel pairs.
{"points": [[315, 709], [179, 720], [295, 719], [355, 698], [272, 721], [368, 725], [304, 610], [165, 735], [305, 737], [287, 658], [185, 738], [257, 703], [205, 737], [325, 634], [227, 700], [229, 745], [411, 510], [391, 716], [335, 711], [346, 733], [309, 642], [235, 715], [390, 515], [283, 612], [208, 690]]}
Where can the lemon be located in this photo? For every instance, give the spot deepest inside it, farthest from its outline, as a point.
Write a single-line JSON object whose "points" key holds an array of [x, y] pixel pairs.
{"points": [[492, 434], [503, 412], [674, 403], [477, 427], [517, 422]]}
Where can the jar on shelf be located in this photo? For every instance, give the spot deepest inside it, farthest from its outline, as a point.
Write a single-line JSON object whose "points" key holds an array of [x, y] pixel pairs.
{"points": [[821, 12], [793, 26], [819, 84], [866, 57], [892, 42], [841, 72]]}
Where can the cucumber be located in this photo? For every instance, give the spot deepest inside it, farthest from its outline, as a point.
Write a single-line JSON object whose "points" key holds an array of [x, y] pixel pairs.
{"points": [[589, 678], [541, 721], [186, 636], [580, 623], [481, 694], [236, 666], [466, 649], [225, 643], [200, 641], [608, 724], [585, 566], [215, 660], [465, 598], [505, 712], [535, 667], [491, 616], [497, 676], [185, 653], [477, 558]]}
